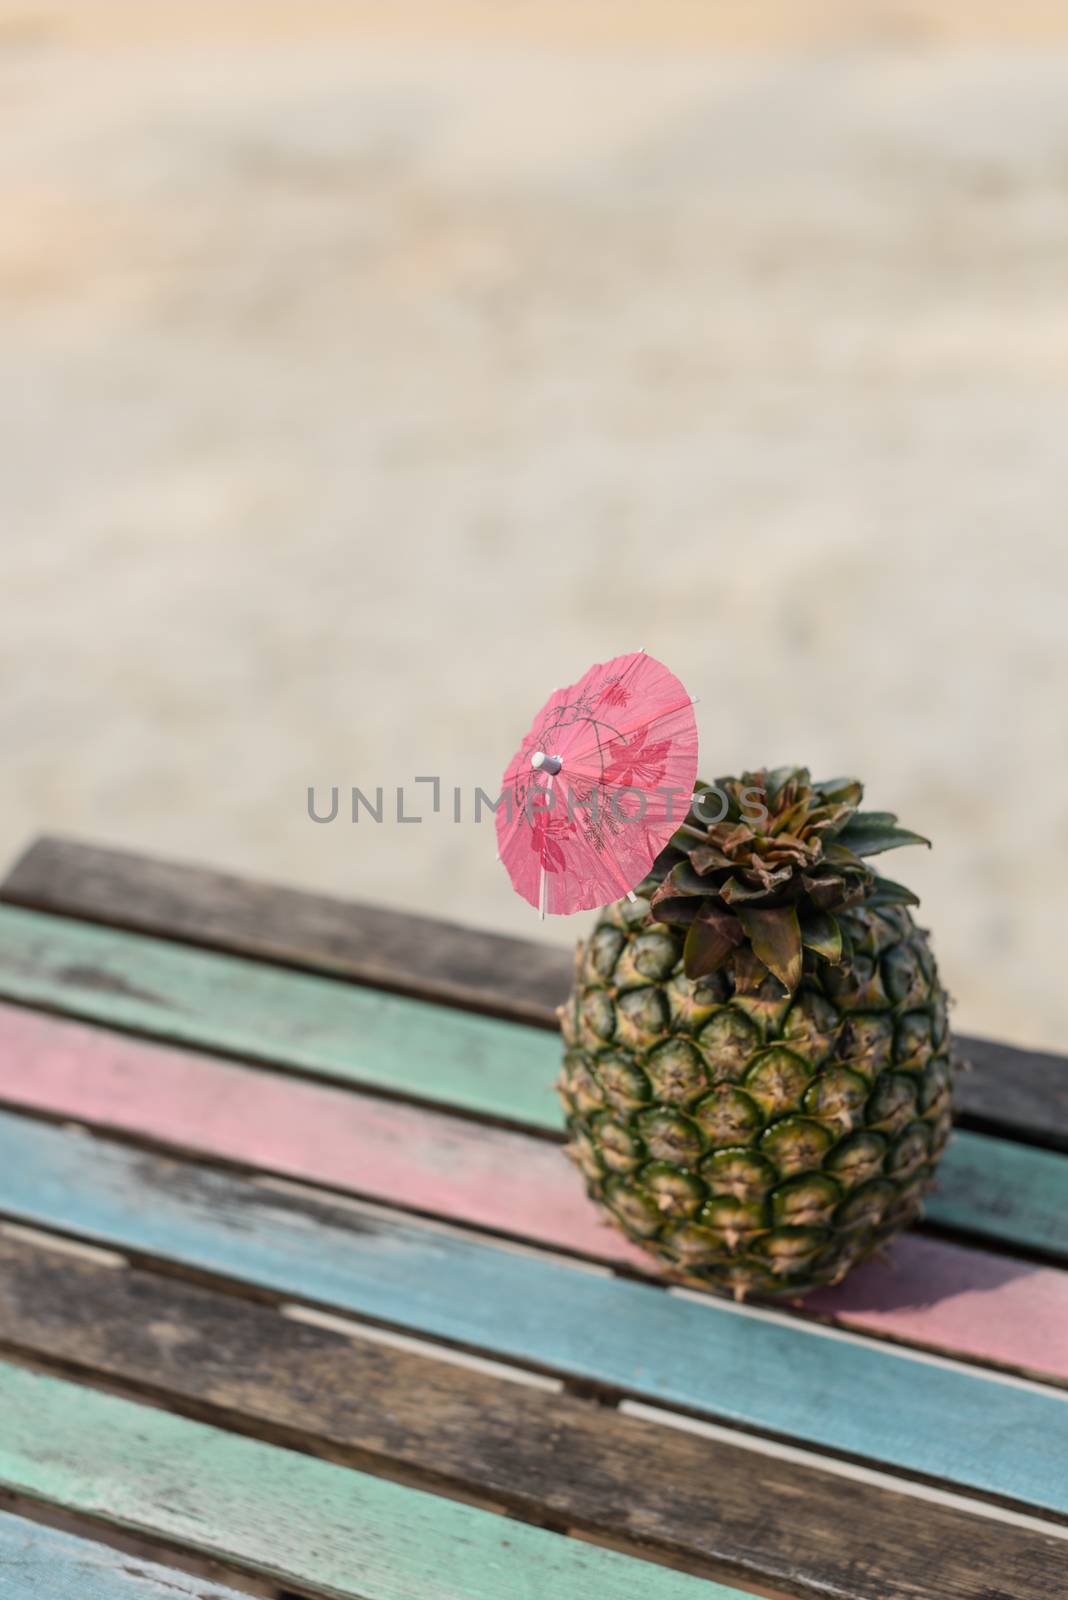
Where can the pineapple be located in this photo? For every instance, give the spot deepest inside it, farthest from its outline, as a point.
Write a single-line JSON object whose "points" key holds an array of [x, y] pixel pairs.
{"points": [[756, 1074]]}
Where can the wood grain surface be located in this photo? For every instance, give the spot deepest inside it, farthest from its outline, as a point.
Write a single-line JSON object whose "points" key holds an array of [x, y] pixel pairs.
{"points": [[992, 1189], [933, 1293], [294, 1020], [299, 1520], [1018, 1093], [669, 1493], [754, 1369], [387, 949], [41, 1563]]}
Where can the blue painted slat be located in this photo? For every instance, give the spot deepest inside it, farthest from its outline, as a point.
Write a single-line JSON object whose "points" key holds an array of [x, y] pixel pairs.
{"points": [[39, 1563], [339, 1031], [786, 1378]]}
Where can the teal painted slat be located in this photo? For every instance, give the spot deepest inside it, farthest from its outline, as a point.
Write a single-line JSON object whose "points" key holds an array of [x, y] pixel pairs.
{"points": [[1011, 1194], [39, 1563], [292, 1517], [996, 1190], [780, 1376], [1005, 1191], [324, 1026]]}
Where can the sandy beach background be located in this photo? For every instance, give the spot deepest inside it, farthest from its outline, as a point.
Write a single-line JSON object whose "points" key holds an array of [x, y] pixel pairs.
{"points": [[366, 371]]}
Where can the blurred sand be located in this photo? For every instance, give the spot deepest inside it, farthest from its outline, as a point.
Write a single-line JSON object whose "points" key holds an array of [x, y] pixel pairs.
{"points": [[367, 371]]}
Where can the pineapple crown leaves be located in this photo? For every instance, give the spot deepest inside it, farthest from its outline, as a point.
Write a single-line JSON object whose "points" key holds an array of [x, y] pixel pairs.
{"points": [[762, 884]]}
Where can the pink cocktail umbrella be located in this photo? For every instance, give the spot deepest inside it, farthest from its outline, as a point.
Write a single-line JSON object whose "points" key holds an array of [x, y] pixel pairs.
{"points": [[598, 786]]}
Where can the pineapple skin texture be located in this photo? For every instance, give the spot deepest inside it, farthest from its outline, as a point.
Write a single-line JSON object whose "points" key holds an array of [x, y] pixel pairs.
{"points": [[756, 1143]]}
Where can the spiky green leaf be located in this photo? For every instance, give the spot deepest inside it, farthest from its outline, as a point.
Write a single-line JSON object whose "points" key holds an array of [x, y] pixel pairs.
{"points": [[706, 858], [847, 939], [786, 820], [750, 974], [825, 890], [822, 933], [681, 882], [731, 790], [777, 779], [735, 892], [869, 834], [840, 791], [678, 912], [885, 892], [712, 937], [775, 935], [841, 857]]}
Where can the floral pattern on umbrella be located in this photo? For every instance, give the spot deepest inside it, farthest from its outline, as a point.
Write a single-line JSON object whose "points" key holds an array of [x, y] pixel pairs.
{"points": [[598, 786]]}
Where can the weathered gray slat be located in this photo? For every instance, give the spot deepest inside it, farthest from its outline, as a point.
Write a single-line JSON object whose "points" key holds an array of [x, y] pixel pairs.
{"points": [[722, 1510], [286, 1516], [370, 944], [1011, 1092], [849, 1397]]}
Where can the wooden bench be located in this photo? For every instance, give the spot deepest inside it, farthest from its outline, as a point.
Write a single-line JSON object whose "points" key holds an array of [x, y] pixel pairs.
{"points": [[297, 1296]]}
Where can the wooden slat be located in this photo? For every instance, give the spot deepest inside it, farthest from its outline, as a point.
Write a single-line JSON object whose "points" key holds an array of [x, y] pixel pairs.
{"points": [[289, 1516], [387, 949], [675, 1495], [1000, 1190], [39, 1563], [755, 1369], [292, 1019], [458, 1059], [964, 1303], [960, 1301], [425, 1160], [1013, 1092]]}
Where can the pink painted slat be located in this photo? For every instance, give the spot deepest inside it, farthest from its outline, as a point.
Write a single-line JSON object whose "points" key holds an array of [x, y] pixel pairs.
{"points": [[381, 1149], [965, 1302]]}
